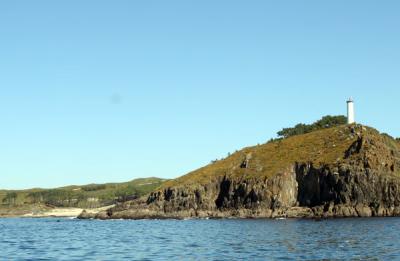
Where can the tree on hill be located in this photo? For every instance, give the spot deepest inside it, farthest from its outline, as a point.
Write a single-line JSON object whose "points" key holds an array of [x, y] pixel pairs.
{"points": [[10, 198], [301, 128], [55, 197]]}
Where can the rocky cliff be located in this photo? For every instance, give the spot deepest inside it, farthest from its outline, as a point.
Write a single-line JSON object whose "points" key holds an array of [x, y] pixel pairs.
{"points": [[346, 171]]}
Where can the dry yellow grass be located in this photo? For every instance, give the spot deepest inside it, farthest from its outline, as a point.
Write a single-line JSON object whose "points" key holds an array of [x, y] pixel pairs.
{"points": [[321, 147]]}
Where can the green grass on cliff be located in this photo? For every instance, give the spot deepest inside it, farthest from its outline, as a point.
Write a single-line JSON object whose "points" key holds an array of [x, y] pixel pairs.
{"points": [[87, 196], [322, 147]]}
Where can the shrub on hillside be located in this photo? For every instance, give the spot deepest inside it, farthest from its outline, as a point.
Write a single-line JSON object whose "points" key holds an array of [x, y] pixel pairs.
{"points": [[94, 187]]}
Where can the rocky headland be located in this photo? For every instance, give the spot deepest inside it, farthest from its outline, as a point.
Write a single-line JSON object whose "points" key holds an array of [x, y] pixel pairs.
{"points": [[344, 171]]}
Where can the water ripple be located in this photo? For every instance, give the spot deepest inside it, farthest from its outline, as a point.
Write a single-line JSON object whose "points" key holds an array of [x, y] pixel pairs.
{"points": [[66, 239]]}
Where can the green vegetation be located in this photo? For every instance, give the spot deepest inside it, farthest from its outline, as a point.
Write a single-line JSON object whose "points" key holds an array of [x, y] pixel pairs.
{"points": [[324, 123], [88, 196]]}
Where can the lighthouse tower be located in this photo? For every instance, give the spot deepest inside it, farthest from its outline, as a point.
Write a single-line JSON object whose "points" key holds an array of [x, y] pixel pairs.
{"points": [[350, 111]]}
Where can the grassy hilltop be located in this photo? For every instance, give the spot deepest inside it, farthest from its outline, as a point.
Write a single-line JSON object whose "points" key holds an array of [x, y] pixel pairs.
{"points": [[323, 142]]}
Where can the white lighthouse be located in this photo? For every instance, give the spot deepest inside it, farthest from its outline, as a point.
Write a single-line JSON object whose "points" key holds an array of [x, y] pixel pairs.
{"points": [[350, 111]]}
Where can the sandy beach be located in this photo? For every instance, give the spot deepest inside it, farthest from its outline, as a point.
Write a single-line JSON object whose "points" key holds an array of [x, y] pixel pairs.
{"points": [[65, 212]]}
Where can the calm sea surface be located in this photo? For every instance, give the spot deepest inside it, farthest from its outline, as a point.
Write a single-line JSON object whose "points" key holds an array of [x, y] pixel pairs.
{"points": [[71, 239]]}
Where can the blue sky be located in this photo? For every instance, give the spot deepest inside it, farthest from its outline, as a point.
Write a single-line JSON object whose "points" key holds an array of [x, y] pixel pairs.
{"points": [[99, 91]]}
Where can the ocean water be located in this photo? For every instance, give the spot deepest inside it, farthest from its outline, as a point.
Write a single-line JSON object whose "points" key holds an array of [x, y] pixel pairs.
{"points": [[72, 239]]}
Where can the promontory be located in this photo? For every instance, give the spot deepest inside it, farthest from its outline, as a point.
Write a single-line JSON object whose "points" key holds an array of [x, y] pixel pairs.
{"points": [[348, 170]]}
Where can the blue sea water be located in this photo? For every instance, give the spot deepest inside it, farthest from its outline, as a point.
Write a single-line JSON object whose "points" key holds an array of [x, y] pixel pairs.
{"points": [[230, 239]]}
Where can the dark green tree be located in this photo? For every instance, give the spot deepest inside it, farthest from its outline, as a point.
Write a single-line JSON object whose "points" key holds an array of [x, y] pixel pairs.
{"points": [[10, 198], [36, 197], [301, 128]]}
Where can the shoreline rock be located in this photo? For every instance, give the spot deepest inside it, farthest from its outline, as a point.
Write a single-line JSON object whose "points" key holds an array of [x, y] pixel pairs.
{"points": [[290, 213]]}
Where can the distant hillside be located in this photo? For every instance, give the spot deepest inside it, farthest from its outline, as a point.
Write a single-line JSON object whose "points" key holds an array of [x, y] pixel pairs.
{"points": [[87, 196]]}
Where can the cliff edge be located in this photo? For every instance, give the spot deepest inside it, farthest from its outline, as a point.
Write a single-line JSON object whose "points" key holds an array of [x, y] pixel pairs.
{"points": [[345, 171]]}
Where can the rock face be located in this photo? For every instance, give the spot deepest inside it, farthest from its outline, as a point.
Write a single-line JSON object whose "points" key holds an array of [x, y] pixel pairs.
{"points": [[363, 181]]}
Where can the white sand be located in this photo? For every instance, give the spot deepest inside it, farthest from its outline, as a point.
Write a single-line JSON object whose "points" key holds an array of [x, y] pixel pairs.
{"points": [[65, 212]]}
